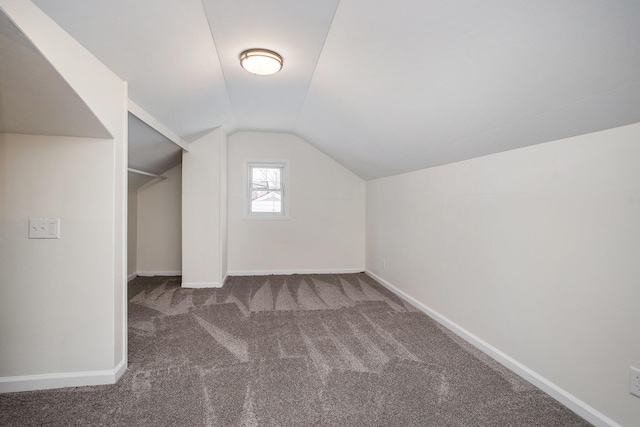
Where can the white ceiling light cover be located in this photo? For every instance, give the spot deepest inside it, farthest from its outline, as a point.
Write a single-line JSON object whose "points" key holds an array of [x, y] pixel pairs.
{"points": [[262, 62]]}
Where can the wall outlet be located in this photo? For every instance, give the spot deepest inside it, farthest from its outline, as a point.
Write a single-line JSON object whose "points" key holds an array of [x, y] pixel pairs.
{"points": [[634, 381]]}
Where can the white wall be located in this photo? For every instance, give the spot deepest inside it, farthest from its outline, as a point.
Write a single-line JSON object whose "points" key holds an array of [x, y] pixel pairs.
{"points": [[535, 251], [132, 233], [202, 229], [325, 229], [78, 334], [55, 311], [159, 224], [224, 196]]}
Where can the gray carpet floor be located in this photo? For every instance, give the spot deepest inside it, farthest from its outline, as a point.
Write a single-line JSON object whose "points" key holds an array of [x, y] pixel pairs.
{"points": [[301, 350]]}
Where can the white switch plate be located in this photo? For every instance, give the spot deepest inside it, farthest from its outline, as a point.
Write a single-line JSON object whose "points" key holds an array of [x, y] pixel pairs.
{"points": [[44, 228], [634, 381]]}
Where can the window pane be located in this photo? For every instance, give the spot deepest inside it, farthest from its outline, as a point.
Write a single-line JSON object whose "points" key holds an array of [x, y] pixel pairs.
{"points": [[266, 201], [265, 193], [267, 178]]}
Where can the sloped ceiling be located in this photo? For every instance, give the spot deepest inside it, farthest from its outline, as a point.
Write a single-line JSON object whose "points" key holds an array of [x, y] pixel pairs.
{"points": [[149, 151], [382, 87], [34, 98]]}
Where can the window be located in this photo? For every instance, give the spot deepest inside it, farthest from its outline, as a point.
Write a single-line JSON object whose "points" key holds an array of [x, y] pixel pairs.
{"points": [[266, 192]]}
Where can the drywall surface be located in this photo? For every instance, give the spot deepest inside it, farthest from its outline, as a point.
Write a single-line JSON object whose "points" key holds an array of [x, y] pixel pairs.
{"points": [[132, 232], [160, 225], [535, 251], [75, 64], [106, 96], [56, 313], [325, 229], [224, 196], [201, 212]]}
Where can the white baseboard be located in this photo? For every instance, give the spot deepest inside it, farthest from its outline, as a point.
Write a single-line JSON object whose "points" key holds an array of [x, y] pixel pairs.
{"points": [[132, 276], [567, 399], [120, 369], [159, 273], [201, 285], [290, 272], [68, 379]]}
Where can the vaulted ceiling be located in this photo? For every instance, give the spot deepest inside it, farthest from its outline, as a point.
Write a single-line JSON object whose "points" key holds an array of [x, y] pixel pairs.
{"points": [[383, 87]]}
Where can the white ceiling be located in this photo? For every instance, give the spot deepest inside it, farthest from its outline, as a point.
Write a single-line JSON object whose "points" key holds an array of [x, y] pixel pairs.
{"points": [[34, 98], [382, 87], [149, 151]]}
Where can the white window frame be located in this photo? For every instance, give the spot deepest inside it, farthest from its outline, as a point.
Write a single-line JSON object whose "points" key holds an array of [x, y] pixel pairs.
{"points": [[246, 185]]}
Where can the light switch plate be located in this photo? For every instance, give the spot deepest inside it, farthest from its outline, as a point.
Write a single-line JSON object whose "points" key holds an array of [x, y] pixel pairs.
{"points": [[634, 381], [44, 228]]}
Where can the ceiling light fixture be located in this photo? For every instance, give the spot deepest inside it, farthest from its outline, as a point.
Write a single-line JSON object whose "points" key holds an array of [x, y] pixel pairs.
{"points": [[262, 62]]}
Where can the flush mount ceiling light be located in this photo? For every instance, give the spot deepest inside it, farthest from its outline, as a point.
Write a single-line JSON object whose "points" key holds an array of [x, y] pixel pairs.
{"points": [[262, 62]]}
